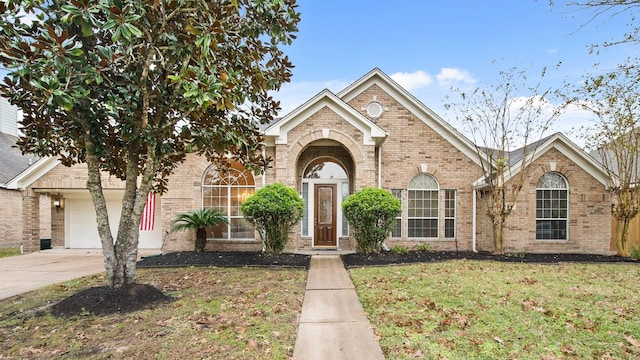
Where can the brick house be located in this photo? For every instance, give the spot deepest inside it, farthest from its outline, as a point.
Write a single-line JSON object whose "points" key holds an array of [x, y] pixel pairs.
{"points": [[372, 133]]}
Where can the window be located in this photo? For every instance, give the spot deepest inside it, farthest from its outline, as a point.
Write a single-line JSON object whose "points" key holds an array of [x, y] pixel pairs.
{"points": [[423, 207], [397, 231], [345, 223], [305, 209], [449, 213], [552, 207], [226, 190]]}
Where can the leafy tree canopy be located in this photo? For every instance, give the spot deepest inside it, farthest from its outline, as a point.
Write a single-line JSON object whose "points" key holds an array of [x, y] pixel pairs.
{"points": [[131, 86]]}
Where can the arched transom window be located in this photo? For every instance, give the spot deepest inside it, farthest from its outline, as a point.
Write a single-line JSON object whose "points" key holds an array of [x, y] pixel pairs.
{"points": [[552, 207], [226, 190], [423, 207]]}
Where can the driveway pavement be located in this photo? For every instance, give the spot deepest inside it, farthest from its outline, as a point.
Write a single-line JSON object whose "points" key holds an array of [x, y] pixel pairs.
{"points": [[23, 273]]}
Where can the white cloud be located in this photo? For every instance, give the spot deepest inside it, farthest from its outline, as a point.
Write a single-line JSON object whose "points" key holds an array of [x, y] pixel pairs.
{"points": [[449, 76], [412, 81]]}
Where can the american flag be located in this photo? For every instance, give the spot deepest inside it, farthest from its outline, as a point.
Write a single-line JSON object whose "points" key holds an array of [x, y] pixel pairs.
{"points": [[149, 213]]}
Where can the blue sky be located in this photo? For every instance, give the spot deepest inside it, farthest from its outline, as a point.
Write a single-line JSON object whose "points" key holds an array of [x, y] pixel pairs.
{"points": [[429, 46]]}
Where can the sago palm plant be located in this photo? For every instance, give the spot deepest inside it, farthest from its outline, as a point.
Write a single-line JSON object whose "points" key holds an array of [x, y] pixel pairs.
{"points": [[198, 220]]}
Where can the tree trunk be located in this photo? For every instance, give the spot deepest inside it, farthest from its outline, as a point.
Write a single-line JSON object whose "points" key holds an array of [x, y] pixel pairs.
{"points": [[622, 234], [120, 256], [201, 239], [498, 234], [94, 185]]}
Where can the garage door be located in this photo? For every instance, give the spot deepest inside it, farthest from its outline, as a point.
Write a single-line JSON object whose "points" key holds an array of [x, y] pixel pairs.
{"points": [[81, 226]]}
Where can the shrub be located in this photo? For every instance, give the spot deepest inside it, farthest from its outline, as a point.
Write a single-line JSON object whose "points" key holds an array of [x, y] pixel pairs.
{"points": [[372, 215], [399, 249], [635, 253], [273, 209], [423, 247]]}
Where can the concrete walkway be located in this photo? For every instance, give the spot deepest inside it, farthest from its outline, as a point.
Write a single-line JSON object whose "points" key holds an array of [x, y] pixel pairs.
{"points": [[333, 324], [23, 273]]}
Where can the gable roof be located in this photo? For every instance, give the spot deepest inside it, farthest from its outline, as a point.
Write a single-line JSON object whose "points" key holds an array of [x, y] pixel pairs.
{"points": [[12, 161], [518, 158], [278, 130], [34, 172], [415, 106]]}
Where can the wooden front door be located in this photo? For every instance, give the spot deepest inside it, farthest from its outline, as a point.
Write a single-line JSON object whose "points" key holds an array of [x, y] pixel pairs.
{"points": [[325, 232]]}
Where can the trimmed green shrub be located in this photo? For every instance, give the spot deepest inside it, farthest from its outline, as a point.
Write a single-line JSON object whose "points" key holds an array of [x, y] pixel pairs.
{"points": [[371, 213], [273, 209]]}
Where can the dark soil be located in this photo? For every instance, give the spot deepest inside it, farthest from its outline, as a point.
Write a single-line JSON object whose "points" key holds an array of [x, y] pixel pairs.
{"points": [[391, 258], [226, 259], [104, 300]]}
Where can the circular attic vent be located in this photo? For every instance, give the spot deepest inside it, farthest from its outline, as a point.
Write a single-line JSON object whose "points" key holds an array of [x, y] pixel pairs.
{"points": [[374, 109]]}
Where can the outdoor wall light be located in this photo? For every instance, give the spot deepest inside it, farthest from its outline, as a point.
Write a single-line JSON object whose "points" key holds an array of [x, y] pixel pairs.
{"points": [[58, 202]]}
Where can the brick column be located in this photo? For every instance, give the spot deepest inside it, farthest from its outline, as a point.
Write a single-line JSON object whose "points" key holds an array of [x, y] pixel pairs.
{"points": [[31, 220]]}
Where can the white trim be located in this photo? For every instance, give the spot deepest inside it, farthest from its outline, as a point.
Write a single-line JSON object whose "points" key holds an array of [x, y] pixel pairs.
{"points": [[32, 173], [406, 99], [373, 134], [565, 146]]}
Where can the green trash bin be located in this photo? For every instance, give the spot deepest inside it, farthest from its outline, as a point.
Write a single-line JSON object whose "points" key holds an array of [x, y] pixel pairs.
{"points": [[45, 244]]}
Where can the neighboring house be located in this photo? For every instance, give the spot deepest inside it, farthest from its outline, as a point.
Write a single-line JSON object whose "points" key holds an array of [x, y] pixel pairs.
{"points": [[12, 164], [373, 133]]}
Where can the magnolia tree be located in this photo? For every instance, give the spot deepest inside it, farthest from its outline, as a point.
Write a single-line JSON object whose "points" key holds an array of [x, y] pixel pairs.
{"points": [[129, 87], [615, 136], [506, 121]]}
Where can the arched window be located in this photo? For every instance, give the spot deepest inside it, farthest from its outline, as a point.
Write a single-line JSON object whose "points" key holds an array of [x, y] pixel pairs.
{"points": [[226, 190], [423, 207], [552, 207]]}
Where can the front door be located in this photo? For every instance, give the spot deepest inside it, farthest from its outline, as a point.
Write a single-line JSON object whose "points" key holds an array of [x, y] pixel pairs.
{"points": [[325, 215]]}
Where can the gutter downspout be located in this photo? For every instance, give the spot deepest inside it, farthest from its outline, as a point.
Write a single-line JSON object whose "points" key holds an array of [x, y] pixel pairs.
{"points": [[385, 247], [473, 227], [380, 166]]}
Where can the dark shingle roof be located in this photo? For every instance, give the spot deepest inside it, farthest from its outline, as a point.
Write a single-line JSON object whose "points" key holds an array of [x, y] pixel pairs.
{"points": [[12, 162]]}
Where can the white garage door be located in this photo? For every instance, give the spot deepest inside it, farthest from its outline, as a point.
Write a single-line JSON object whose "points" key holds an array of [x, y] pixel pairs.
{"points": [[81, 227]]}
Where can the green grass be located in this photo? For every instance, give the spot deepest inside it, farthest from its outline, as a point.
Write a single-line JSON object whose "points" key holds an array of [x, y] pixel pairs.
{"points": [[6, 252], [485, 310], [218, 314]]}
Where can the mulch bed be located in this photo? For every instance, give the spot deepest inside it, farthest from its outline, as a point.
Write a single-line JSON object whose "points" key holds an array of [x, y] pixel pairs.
{"points": [[391, 258], [226, 259], [104, 300]]}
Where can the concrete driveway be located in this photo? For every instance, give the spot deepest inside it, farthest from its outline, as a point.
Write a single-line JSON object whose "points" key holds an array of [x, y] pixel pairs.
{"points": [[23, 273]]}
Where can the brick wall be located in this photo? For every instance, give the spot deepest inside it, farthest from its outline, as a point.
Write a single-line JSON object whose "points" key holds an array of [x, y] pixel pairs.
{"points": [[589, 212], [11, 233], [411, 146]]}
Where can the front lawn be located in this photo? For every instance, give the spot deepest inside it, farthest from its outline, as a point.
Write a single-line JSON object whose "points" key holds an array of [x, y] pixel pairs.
{"points": [[6, 252], [463, 309], [217, 313]]}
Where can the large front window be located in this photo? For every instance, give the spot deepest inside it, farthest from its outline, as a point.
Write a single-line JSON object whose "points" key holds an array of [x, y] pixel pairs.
{"points": [[423, 207], [226, 190], [552, 207]]}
